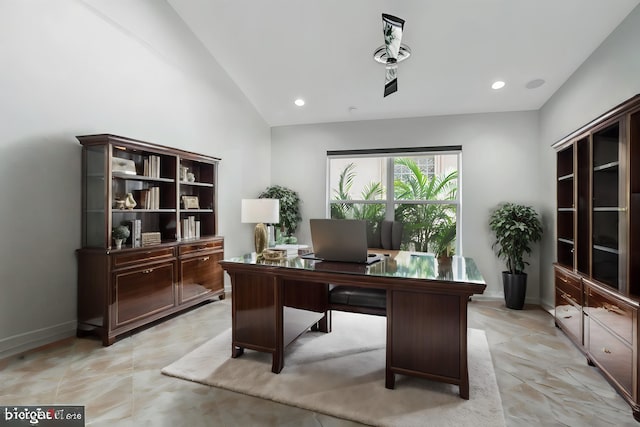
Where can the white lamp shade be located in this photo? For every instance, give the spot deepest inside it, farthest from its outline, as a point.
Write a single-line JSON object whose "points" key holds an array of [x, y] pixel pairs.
{"points": [[256, 211]]}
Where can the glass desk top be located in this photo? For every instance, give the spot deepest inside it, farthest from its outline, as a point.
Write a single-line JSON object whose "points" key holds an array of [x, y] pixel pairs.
{"points": [[397, 264]]}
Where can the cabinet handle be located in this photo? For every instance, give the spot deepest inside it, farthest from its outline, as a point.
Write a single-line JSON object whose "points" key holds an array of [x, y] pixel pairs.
{"points": [[205, 259], [562, 279], [606, 350], [147, 271]]}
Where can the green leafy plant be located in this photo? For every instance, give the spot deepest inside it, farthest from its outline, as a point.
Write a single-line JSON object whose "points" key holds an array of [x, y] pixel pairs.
{"points": [[423, 222], [515, 228], [345, 182], [445, 235], [120, 232], [289, 207]]}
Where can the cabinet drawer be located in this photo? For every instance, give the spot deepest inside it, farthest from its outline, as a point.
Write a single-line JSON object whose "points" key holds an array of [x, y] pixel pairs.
{"points": [[569, 316], [569, 286], [613, 313], [615, 356], [201, 246], [134, 257]]}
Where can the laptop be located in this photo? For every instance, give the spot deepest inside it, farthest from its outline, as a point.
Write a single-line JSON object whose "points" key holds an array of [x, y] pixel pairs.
{"points": [[342, 240]]}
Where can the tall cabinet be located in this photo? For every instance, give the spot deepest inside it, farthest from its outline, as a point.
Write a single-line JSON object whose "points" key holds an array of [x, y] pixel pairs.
{"points": [[167, 199], [597, 273]]}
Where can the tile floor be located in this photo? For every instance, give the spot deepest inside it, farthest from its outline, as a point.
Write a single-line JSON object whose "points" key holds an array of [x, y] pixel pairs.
{"points": [[543, 379]]}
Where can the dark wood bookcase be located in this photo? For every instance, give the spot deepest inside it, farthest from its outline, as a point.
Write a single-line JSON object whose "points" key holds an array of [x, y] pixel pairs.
{"points": [[170, 260], [597, 273]]}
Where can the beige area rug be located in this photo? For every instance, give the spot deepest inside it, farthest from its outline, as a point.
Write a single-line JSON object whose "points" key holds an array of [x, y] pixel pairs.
{"points": [[342, 374]]}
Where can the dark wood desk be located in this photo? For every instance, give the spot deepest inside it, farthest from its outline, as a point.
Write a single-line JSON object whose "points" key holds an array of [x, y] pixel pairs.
{"points": [[274, 302]]}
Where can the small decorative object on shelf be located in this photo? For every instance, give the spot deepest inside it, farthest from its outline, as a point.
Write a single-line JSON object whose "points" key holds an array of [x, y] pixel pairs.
{"points": [[190, 202], [151, 238], [120, 234], [183, 173], [129, 201], [124, 166], [191, 177]]}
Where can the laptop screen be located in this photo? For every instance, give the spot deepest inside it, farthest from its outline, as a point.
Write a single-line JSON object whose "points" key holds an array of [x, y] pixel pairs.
{"points": [[340, 240]]}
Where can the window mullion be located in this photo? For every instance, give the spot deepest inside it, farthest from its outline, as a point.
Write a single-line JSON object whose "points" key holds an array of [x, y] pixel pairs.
{"points": [[390, 202]]}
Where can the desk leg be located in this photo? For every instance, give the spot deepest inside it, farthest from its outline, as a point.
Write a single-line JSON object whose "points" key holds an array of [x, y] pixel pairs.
{"points": [[324, 324], [421, 331], [278, 362], [464, 368], [236, 351], [464, 388], [390, 379]]}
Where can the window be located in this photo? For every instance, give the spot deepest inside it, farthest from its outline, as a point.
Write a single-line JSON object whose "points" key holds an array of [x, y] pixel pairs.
{"points": [[418, 188]]}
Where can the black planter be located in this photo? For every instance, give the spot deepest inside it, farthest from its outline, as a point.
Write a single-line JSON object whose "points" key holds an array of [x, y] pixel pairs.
{"points": [[515, 289]]}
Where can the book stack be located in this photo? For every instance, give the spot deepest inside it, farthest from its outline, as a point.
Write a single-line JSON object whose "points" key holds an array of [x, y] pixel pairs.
{"points": [[135, 227], [152, 166], [149, 198], [190, 228]]}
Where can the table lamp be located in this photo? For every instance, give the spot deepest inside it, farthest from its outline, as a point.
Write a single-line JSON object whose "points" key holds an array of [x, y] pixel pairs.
{"points": [[259, 212]]}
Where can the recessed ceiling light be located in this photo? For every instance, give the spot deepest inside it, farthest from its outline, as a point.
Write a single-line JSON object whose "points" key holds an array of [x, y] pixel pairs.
{"points": [[299, 102], [497, 85]]}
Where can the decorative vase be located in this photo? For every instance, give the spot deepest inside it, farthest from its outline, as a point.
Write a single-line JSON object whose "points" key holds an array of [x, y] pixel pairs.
{"points": [[118, 243], [515, 289], [129, 201]]}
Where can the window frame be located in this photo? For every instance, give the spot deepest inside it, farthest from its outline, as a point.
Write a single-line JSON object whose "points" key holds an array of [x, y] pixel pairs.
{"points": [[390, 201]]}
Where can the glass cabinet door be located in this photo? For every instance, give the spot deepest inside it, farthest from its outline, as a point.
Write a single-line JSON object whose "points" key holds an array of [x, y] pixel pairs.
{"points": [[566, 207], [94, 196], [608, 211]]}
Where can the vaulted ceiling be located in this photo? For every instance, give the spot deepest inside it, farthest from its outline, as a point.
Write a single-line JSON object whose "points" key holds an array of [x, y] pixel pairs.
{"points": [[322, 51]]}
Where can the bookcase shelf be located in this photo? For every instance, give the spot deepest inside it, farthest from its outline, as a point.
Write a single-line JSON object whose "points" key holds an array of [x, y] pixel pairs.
{"points": [[162, 267]]}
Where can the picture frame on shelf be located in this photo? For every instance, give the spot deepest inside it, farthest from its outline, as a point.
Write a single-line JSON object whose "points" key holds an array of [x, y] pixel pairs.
{"points": [[190, 202]]}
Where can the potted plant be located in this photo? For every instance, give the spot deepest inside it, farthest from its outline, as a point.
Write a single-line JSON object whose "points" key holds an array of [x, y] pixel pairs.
{"points": [[515, 228], [120, 234], [289, 211], [442, 242]]}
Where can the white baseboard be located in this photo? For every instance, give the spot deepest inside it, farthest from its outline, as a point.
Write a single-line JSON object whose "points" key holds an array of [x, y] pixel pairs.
{"points": [[29, 340]]}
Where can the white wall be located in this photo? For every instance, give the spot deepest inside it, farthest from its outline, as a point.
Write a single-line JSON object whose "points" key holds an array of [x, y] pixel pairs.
{"points": [[500, 162], [607, 78], [74, 67]]}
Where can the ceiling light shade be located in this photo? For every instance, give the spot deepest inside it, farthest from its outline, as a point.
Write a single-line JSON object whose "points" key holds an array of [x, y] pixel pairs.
{"points": [[497, 85], [392, 52], [299, 102], [380, 54]]}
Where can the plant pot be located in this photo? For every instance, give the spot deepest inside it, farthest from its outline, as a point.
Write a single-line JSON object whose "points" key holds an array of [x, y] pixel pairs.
{"points": [[118, 243], [515, 289]]}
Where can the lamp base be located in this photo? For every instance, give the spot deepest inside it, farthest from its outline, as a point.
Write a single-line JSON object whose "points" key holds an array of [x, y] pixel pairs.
{"points": [[261, 238]]}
